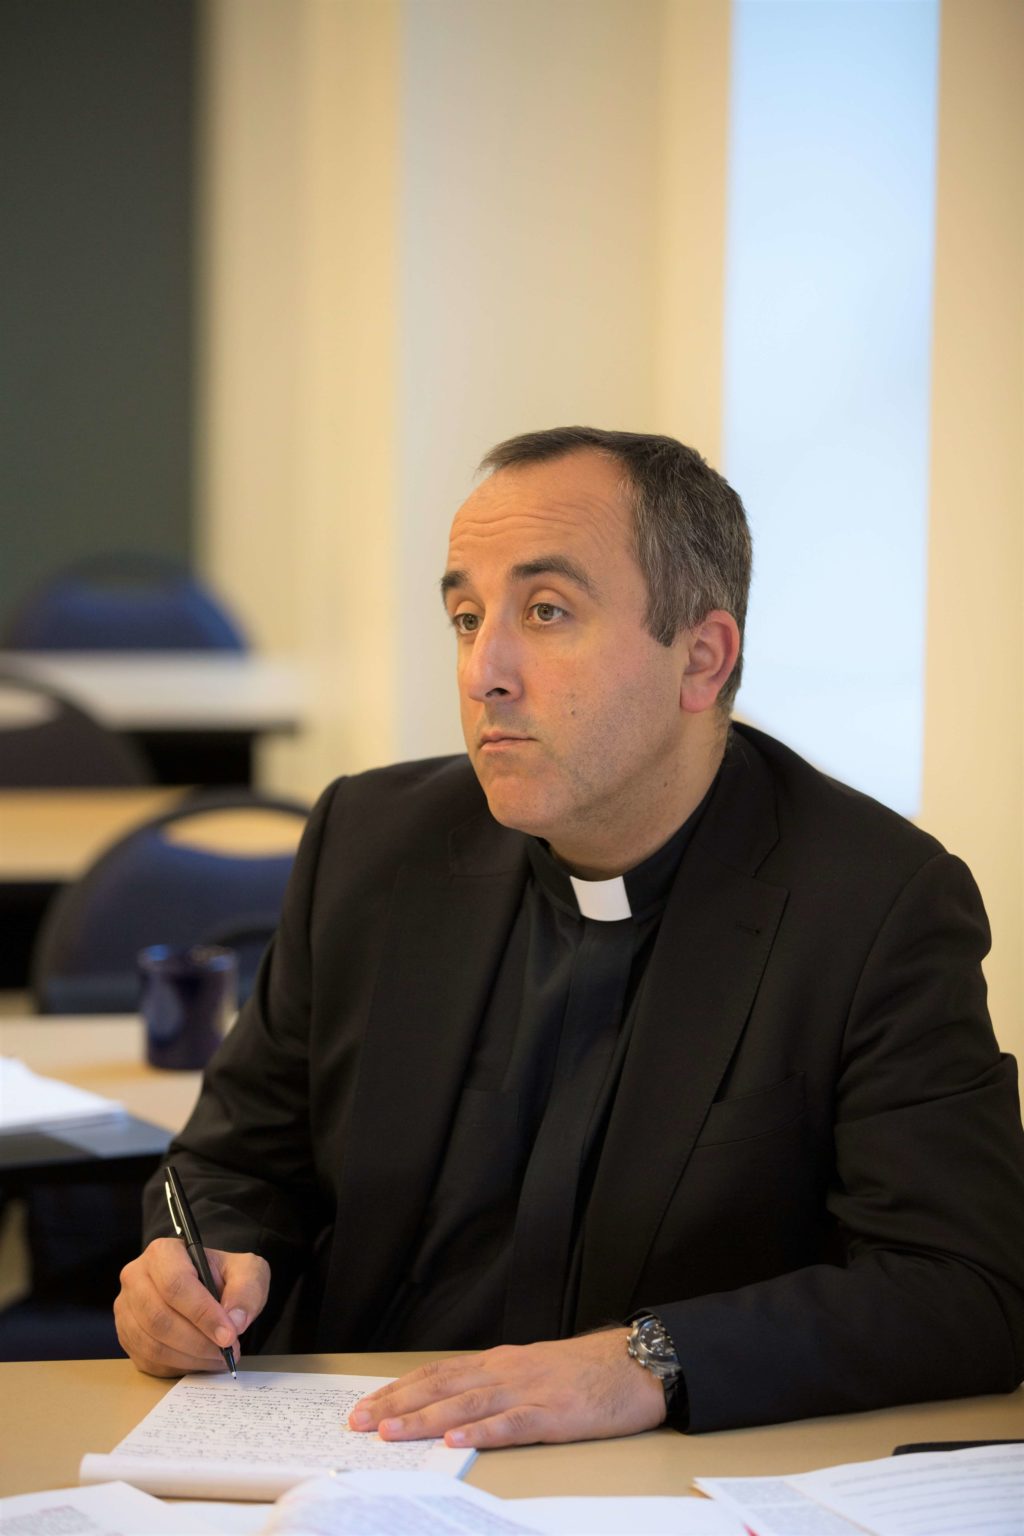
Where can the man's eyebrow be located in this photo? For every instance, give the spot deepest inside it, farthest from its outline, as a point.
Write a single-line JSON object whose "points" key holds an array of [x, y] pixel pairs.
{"points": [[543, 565], [555, 565], [451, 581]]}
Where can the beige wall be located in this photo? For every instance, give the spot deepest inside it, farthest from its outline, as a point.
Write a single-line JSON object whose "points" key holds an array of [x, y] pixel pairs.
{"points": [[974, 758], [528, 217], [690, 296], [469, 222], [432, 225], [298, 382]]}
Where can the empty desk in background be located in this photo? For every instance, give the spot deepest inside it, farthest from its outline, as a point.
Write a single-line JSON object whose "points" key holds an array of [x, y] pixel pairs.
{"points": [[51, 836], [106, 1056], [82, 1183], [195, 714]]}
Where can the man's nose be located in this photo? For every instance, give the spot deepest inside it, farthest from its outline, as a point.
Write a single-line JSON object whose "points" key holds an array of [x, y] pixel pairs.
{"points": [[491, 664]]}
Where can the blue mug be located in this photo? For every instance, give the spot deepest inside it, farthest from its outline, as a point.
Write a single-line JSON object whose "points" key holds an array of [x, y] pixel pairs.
{"points": [[188, 999]]}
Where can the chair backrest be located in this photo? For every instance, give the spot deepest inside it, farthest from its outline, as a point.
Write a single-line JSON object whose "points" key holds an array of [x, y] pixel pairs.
{"points": [[47, 742], [124, 602], [179, 879]]}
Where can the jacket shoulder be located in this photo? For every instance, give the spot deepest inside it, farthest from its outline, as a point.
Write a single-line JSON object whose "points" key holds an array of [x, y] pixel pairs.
{"points": [[823, 821], [404, 813]]}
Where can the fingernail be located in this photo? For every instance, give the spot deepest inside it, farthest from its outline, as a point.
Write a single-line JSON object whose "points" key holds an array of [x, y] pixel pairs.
{"points": [[456, 1437], [238, 1317], [224, 1337], [360, 1418], [392, 1425]]}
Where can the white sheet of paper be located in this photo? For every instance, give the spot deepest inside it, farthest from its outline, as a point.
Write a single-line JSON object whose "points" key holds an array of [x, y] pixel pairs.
{"points": [[110, 1509], [978, 1492], [654, 1516], [232, 1519], [774, 1506], [421, 1504], [928, 1493], [28, 1100], [215, 1438]]}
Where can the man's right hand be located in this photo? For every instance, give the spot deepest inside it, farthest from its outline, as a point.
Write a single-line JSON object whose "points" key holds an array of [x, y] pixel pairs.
{"points": [[167, 1321]]}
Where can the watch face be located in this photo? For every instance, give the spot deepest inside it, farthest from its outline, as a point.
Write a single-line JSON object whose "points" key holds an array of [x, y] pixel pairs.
{"points": [[653, 1348], [654, 1339]]}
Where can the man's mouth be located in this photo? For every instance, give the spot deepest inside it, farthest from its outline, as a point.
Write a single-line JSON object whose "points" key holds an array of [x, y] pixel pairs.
{"points": [[497, 740]]}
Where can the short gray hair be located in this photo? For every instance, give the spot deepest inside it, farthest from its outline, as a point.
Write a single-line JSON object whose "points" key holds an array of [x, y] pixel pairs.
{"points": [[690, 534]]}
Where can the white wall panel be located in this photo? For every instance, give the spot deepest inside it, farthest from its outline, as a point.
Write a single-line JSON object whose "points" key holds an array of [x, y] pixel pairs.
{"points": [[827, 356]]}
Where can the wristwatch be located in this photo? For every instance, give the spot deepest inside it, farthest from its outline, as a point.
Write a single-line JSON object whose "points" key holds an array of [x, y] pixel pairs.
{"points": [[650, 1345]]}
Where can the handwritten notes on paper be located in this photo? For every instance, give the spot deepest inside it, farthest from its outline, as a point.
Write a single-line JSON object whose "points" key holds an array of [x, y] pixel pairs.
{"points": [[211, 1437], [267, 1417]]}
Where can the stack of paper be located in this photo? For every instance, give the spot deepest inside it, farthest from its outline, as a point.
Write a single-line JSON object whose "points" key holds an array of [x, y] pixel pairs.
{"points": [[28, 1101], [274, 1431], [400, 1503], [929, 1493], [384, 1503], [112, 1510]]}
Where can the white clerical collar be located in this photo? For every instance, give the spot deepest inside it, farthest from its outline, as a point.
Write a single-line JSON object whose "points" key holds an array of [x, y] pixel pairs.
{"points": [[604, 900]]}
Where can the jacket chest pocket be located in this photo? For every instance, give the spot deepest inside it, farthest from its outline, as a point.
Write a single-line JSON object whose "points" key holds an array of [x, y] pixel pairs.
{"points": [[750, 1115]]}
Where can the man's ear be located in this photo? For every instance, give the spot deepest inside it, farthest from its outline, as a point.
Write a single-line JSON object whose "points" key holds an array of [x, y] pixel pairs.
{"points": [[712, 650]]}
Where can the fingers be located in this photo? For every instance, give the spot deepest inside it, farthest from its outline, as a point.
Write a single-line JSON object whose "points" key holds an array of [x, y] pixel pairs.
{"points": [[168, 1322], [245, 1285], [452, 1417], [437, 1381], [152, 1324], [569, 1389]]}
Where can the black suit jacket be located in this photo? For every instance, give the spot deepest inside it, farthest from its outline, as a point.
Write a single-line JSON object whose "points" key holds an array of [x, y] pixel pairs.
{"points": [[814, 1165]]}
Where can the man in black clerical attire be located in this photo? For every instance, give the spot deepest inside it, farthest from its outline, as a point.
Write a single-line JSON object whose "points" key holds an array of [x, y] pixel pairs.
{"points": [[629, 1054]]}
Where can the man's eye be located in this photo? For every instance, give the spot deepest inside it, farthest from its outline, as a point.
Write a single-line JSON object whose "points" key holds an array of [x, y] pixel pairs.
{"points": [[466, 623], [547, 613]]}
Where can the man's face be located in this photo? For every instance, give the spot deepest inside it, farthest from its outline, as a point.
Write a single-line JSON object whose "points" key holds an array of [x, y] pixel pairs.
{"points": [[570, 710]]}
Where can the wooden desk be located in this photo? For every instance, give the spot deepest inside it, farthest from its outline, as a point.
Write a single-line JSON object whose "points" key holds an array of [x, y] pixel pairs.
{"points": [[195, 714], [101, 1400], [50, 836], [172, 690], [107, 1056]]}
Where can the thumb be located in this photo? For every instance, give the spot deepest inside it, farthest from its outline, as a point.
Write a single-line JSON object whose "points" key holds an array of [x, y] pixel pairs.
{"points": [[246, 1286]]}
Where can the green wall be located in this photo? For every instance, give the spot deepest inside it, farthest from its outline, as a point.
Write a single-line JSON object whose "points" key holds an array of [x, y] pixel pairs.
{"points": [[96, 237]]}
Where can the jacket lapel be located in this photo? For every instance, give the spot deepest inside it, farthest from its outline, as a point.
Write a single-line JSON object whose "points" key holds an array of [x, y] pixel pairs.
{"points": [[714, 942], [445, 936]]}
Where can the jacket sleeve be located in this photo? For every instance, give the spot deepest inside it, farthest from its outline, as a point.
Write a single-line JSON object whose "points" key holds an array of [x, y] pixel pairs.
{"points": [[245, 1155], [927, 1192]]}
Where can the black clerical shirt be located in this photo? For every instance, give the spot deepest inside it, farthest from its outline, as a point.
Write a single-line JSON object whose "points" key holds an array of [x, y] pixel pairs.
{"points": [[497, 1255]]}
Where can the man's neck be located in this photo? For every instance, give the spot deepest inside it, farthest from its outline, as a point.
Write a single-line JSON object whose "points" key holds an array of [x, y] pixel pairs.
{"points": [[598, 853]]}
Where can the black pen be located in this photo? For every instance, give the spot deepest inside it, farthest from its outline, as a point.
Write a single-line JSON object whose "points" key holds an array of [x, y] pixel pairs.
{"points": [[185, 1228]]}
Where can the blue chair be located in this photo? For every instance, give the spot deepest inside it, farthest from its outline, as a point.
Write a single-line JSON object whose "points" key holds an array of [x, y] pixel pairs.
{"points": [[123, 602], [164, 884], [47, 742]]}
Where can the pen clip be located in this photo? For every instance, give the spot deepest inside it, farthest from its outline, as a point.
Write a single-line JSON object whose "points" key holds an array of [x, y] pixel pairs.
{"points": [[171, 1207]]}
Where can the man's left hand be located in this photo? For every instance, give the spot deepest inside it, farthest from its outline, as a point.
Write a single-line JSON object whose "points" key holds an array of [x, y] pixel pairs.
{"points": [[569, 1389]]}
